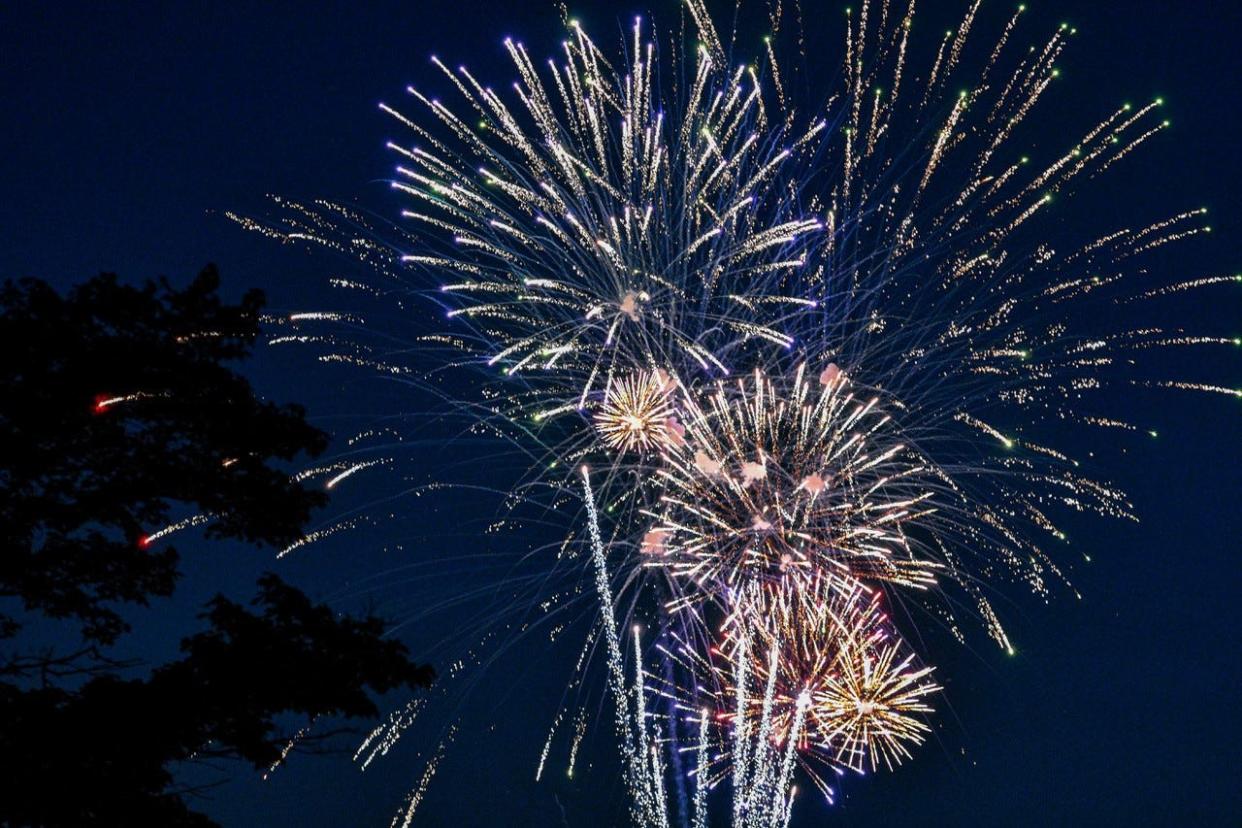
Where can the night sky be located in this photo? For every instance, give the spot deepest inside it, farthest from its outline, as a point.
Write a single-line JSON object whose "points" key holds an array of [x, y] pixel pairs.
{"points": [[130, 128]]}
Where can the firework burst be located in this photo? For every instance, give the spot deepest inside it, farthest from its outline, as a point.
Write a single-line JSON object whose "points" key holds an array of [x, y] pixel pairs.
{"points": [[595, 229], [773, 479], [637, 413], [839, 657], [819, 669], [826, 352]]}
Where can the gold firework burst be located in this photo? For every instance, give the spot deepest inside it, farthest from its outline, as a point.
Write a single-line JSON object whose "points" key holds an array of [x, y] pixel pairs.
{"points": [[829, 646], [637, 414]]}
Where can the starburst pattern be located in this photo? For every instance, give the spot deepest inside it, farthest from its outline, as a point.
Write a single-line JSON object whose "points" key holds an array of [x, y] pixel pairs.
{"points": [[637, 413]]}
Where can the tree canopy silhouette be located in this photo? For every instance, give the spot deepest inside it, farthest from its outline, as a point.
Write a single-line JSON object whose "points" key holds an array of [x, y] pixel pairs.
{"points": [[118, 405]]}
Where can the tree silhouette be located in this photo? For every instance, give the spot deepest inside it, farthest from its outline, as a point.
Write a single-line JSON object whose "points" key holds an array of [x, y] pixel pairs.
{"points": [[117, 405]]}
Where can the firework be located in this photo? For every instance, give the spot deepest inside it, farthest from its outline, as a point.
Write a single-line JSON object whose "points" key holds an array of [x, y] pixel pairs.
{"points": [[813, 668], [825, 355], [769, 481], [839, 657], [637, 413], [595, 230]]}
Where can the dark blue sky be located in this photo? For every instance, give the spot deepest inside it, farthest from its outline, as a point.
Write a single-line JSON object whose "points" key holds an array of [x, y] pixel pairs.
{"points": [[128, 126]]}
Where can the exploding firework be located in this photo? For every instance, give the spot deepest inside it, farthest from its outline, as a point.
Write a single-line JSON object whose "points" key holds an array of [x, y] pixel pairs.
{"points": [[770, 480], [836, 654], [814, 666], [637, 413], [829, 352], [596, 230]]}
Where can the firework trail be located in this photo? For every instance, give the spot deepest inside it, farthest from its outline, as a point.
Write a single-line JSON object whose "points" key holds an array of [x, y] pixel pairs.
{"points": [[821, 356], [762, 771]]}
